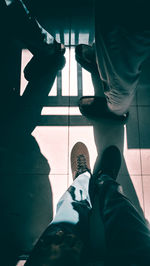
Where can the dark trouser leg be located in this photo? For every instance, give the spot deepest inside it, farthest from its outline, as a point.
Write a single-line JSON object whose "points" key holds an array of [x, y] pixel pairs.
{"points": [[23, 26], [127, 233]]}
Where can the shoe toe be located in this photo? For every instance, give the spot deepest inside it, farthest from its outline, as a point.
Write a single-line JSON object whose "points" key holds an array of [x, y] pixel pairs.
{"points": [[78, 50]]}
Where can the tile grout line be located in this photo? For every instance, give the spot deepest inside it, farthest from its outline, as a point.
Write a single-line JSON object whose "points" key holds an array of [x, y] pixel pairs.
{"points": [[138, 124], [69, 106]]}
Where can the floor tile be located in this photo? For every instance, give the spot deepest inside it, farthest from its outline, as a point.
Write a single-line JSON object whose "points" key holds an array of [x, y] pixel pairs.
{"points": [[80, 84], [134, 101], [132, 159], [80, 79], [146, 188], [132, 129], [145, 158], [73, 73], [88, 88], [144, 128], [143, 89], [25, 58], [132, 188], [132, 163], [53, 143], [64, 86]]}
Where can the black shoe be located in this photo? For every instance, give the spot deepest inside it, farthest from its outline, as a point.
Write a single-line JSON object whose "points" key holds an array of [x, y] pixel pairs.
{"points": [[110, 162], [96, 107], [39, 66], [86, 57]]}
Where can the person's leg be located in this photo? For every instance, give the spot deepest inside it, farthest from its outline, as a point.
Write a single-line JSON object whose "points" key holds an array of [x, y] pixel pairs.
{"points": [[94, 106], [75, 204], [65, 235], [118, 58], [127, 233], [77, 193], [120, 52], [24, 27], [69, 228], [20, 24]]}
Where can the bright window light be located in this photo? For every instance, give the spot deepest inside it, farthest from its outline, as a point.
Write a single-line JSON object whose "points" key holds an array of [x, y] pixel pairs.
{"points": [[60, 111], [73, 73]]}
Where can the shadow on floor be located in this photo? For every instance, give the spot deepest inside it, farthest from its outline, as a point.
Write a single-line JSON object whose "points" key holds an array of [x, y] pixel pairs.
{"points": [[109, 132], [25, 190]]}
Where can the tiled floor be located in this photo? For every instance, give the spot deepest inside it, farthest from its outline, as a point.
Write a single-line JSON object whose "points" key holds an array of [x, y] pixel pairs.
{"points": [[60, 125], [56, 141]]}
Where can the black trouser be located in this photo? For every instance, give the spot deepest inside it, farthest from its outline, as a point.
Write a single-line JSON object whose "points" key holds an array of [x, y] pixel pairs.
{"points": [[127, 236], [126, 232], [19, 23]]}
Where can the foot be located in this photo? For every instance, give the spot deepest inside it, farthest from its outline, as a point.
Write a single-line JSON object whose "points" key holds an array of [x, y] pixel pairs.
{"points": [[59, 48], [38, 66], [86, 57], [96, 107], [80, 161], [110, 162]]}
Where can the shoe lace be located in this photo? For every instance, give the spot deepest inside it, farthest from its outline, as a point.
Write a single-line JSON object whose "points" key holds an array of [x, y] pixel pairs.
{"points": [[81, 164]]}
